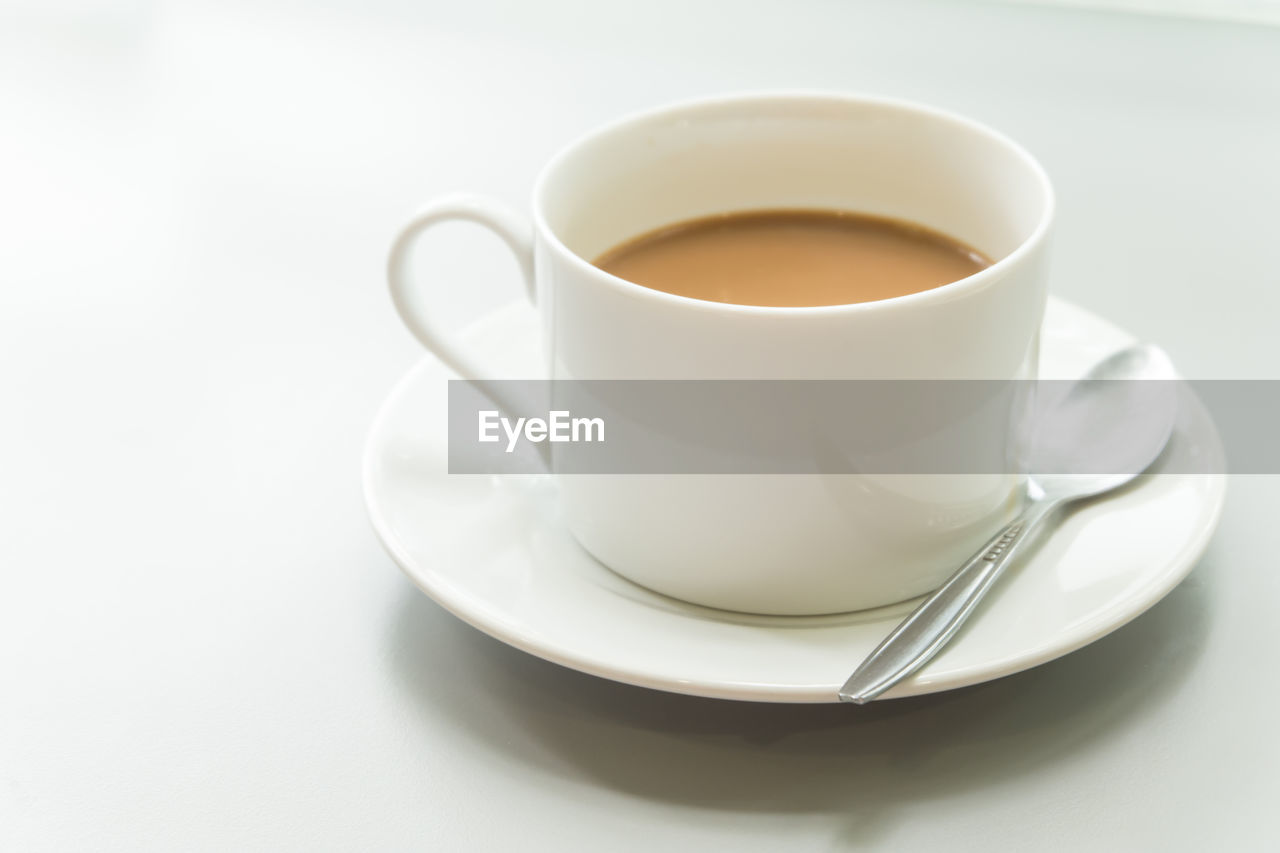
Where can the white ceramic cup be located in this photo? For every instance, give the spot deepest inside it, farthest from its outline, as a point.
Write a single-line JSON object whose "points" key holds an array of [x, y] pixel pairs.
{"points": [[799, 544]]}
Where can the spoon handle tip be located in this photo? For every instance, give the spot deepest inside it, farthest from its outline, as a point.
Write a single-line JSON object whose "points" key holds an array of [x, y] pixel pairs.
{"points": [[929, 627]]}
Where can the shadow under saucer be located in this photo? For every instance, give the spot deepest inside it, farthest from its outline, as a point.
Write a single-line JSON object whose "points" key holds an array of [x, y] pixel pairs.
{"points": [[865, 764]]}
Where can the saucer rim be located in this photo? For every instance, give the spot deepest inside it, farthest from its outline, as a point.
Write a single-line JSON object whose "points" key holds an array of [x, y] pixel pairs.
{"points": [[486, 619]]}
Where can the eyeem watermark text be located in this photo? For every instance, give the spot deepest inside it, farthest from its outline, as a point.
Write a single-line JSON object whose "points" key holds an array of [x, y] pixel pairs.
{"points": [[558, 426]]}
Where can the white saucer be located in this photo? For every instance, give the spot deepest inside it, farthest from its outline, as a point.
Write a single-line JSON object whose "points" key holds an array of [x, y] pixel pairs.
{"points": [[492, 551]]}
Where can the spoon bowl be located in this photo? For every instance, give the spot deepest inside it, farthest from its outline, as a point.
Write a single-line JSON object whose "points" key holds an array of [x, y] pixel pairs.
{"points": [[1107, 429]]}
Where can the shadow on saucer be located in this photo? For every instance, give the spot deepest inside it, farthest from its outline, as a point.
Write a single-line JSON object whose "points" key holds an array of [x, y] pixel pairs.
{"points": [[867, 765]]}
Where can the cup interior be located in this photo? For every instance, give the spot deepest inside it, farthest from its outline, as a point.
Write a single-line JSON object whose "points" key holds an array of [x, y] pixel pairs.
{"points": [[740, 153]]}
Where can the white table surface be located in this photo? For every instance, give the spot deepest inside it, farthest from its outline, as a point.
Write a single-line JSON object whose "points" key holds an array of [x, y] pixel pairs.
{"points": [[203, 647]]}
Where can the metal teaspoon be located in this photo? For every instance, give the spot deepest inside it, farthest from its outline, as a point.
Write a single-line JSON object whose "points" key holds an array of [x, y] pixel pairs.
{"points": [[1121, 426]]}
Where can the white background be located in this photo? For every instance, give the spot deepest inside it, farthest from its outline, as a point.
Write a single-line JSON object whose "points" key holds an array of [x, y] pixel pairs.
{"points": [[202, 645]]}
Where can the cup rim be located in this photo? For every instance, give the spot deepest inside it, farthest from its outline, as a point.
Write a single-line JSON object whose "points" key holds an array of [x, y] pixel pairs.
{"points": [[948, 291]]}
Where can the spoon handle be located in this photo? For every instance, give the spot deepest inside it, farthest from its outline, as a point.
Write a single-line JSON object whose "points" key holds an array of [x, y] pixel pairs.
{"points": [[932, 624]]}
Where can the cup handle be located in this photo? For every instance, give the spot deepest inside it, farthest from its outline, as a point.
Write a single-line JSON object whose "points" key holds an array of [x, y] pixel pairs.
{"points": [[410, 299]]}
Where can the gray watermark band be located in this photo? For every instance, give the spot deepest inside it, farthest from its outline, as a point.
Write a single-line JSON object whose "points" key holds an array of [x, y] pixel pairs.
{"points": [[872, 427]]}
